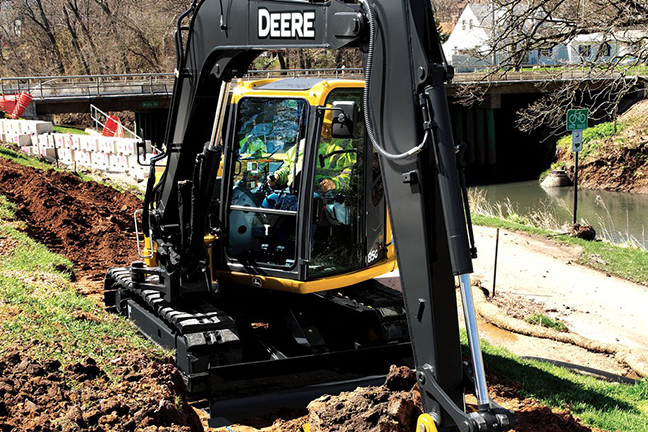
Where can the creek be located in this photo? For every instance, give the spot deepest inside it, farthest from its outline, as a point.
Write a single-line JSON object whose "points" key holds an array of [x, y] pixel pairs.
{"points": [[616, 216]]}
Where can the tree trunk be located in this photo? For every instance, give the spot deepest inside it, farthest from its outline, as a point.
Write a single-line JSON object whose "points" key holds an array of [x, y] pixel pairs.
{"points": [[75, 41], [44, 24]]}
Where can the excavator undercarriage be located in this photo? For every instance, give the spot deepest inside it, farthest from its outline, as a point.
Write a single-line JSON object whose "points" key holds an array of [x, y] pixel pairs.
{"points": [[268, 335]]}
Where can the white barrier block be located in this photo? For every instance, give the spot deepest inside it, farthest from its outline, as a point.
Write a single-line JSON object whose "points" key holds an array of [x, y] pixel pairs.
{"points": [[48, 152], [36, 126], [26, 149], [118, 163], [127, 146], [82, 158], [21, 140], [107, 145], [99, 160], [66, 155], [91, 143], [59, 140], [12, 127]]}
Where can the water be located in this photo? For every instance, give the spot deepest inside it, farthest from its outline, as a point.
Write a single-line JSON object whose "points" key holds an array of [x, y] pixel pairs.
{"points": [[616, 216]]}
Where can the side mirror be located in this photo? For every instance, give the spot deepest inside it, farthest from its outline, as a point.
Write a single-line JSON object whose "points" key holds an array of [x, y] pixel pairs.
{"points": [[344, 119]]}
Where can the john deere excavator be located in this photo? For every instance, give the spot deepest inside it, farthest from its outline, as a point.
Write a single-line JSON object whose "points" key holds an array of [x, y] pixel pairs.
{"points": [[283, 199]]}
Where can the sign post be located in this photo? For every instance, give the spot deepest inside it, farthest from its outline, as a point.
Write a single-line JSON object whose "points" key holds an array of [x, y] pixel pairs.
{"points": [[576, 122]]}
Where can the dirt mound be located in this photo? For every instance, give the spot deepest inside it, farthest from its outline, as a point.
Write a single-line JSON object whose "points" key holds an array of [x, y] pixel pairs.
{"points": [[396, 405], [40, 396], [89, 223]]}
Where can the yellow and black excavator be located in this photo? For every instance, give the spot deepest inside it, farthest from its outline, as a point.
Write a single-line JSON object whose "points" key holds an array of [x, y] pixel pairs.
{"points": [[283, 199]]}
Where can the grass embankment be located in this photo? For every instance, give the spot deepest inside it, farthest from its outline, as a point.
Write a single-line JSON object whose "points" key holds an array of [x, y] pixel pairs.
{"points": [[606, 405], [592, 139], [70, 130], [41, 313], [626, 262]]}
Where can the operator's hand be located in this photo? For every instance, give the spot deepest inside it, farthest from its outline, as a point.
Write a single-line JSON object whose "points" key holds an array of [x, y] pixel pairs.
{"points": [[327, 185], [272, 181]]}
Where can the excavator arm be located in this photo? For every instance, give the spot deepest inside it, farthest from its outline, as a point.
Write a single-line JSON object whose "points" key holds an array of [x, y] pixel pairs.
{"points": [[407, 118]]}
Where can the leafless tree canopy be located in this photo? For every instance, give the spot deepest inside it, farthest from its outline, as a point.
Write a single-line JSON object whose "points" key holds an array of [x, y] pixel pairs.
{"points": [[597, 80], [49, 37]]}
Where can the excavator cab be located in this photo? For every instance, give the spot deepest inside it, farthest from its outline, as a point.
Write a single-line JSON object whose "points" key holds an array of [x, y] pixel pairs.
{"points": [[301, 204]]}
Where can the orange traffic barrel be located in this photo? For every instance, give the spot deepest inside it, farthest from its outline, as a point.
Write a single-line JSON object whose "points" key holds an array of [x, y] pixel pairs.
{"points": [[24, 99]]}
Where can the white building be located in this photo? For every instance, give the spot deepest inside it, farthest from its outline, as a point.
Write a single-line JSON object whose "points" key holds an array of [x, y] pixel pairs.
{"points": [[469, 46]]}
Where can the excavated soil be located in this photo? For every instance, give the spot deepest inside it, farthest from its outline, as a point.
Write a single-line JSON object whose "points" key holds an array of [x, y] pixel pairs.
{"points": [[89, 223], [92, 225], [43, 396], [396, 405]]}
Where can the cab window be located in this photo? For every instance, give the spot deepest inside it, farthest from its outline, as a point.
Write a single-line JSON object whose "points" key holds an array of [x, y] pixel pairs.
{"points": [[264, 195]]}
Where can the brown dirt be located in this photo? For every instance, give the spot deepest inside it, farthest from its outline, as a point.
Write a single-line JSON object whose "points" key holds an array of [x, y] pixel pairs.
{"points": [[89, 223], [396, 405], [42, 396]]}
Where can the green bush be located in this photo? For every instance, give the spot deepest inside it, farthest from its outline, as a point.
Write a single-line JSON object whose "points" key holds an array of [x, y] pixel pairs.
{"points": [[545, 321]]}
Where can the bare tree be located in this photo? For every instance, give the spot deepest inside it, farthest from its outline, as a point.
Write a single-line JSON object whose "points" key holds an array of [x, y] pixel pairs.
{"points": [[595, 76]]}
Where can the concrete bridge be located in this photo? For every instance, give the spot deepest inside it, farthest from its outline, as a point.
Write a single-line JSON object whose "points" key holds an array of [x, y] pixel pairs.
{"points": [[488, 127], [147, 91]]}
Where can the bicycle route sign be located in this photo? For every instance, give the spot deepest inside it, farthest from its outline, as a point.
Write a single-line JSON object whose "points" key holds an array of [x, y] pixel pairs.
{"points": [[577, 119]]}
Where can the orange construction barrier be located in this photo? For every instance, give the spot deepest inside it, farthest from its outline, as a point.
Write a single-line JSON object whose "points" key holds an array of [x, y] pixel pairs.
{"points": [[112, 127], [7, 103], [24, 99]]}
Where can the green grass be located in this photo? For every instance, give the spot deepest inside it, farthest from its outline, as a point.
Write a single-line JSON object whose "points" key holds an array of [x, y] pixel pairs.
{"points": [[626, 262], [607, 405], [71, 130], [545, 321], [22, 159], [42, 314], [593, 137]]}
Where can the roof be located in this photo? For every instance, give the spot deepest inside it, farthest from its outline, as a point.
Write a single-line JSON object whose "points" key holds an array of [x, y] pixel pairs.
{"points": [[294, 84]]}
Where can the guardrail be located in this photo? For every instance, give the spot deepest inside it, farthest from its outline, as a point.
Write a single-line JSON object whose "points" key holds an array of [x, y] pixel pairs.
{"points": [[75, 86], [161, 84]]}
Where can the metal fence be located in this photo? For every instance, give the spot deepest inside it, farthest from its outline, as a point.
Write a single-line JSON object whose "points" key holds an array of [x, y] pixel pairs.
{"points": [[83, 86]]}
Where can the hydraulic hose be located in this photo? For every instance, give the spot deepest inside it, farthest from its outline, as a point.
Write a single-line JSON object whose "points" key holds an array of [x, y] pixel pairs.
{"points": [[365, 96]]}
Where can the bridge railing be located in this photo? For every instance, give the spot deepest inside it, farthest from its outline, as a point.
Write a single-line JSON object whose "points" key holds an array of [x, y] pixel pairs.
{"points": [[161, 84], [74, 86]]}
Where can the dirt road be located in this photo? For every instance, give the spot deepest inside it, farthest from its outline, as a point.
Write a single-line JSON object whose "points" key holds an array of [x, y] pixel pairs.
{"points": [[591, 303]]}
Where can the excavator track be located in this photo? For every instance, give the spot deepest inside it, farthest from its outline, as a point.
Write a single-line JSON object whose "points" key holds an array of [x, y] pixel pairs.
{"points": [[201, 334], [344, 335]]}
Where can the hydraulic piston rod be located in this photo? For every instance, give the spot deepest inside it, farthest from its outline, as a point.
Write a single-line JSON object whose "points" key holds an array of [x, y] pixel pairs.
{"points": [[483, 400]]}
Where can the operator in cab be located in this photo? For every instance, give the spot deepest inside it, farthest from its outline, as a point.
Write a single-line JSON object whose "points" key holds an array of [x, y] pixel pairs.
{"points": [[335, 160]]}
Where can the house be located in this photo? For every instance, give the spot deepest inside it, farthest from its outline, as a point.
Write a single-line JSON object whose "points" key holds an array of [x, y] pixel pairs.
{"points": [[623, 46], [470, 45]]}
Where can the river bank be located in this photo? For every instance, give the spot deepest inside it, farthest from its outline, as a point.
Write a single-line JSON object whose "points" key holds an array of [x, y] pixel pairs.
{"points": [[614, 155], [538, 275]]}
